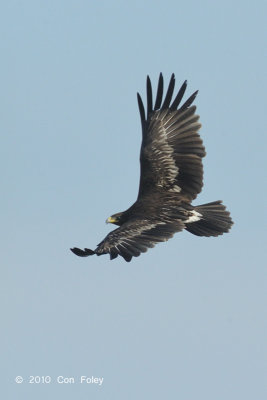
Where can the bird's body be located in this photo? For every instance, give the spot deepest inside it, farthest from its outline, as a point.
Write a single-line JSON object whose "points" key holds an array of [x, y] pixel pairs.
{"points": [[171, 177]]}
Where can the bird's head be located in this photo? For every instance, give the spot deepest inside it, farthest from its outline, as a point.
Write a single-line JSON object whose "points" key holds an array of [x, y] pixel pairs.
{"points": [[115, 219]]}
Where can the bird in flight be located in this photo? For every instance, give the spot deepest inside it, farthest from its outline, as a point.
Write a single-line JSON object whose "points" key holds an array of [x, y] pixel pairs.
{"points": [[171, 177]]}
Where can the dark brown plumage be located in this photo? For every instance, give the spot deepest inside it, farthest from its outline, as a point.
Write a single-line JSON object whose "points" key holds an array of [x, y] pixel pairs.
{"points": [[171, 177]]}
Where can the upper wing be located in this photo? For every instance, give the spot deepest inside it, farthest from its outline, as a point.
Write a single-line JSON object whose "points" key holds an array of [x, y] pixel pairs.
{"points": [[133, 238], [172, 150]]}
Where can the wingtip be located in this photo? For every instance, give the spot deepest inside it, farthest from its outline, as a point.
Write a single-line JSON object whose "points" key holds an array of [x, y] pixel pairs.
{"points": [[82, 253], [141, 108], [172, 78], [194, 95]]}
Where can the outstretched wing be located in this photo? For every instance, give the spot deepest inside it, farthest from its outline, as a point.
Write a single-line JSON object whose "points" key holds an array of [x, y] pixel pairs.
{"points": [[172, 150], [133, 238]]}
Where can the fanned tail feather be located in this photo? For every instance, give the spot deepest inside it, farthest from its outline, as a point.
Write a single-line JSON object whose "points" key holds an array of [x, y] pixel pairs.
{"points": [[215, 220]]}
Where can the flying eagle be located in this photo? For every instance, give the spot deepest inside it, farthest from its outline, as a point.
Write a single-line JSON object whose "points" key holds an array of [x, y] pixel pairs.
{"points": [[171, 177]]}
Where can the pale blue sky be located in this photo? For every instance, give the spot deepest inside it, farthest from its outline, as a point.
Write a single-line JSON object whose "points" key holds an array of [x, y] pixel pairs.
{"points": [[186, 320]]}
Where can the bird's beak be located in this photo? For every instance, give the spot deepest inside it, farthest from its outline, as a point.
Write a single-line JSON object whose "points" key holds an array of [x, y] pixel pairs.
{"points": [[111, 220]]}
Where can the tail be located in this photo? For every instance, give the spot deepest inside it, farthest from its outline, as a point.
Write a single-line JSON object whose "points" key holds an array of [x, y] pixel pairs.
{"points": [[213, 221]]}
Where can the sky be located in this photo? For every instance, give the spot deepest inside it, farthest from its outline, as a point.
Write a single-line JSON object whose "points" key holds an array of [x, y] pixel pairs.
{"points": [[187, 319]]}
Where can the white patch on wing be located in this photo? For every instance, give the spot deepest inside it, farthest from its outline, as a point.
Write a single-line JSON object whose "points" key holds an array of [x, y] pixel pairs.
{"points": [[194, 217], [175, 189]]}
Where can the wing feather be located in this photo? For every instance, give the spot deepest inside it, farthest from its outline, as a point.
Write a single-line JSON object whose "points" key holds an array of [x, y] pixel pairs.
{"points": [[189, 101], [172, 150], [179, 97], [141, 108], [149, 96], [169, 93], [159, 93], [136, 236]]}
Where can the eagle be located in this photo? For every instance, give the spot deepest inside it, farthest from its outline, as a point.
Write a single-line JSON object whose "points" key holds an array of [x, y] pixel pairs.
{"points": [[171, 176]]}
